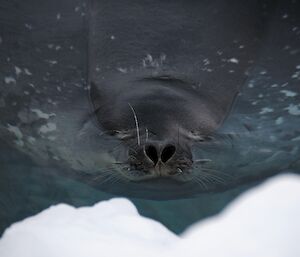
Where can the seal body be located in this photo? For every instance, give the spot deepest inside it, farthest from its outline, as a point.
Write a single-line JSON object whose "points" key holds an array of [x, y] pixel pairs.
{"points": [[153, 99]]}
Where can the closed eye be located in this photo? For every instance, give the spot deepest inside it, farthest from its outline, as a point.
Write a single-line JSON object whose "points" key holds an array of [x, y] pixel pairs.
{"points": [[122, 134], [195, 136]]}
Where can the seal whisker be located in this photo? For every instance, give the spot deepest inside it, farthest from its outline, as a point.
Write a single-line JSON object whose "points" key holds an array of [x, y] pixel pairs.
{"points": [[200, 182], [136, 124], [213, 177], [119, 163], [177, 134], [202, 160], [109, 178], [217, 172], [115, 148], [132, 149], [147, 134], [205, 175], [103, 174]]}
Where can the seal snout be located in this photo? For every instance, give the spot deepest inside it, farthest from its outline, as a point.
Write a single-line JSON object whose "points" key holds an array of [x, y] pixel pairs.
{"points": [[159, 159], [156, 153]]}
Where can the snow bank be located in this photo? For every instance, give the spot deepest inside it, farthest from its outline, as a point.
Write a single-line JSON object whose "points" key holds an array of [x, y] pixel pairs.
{"points": [[263, 222]]}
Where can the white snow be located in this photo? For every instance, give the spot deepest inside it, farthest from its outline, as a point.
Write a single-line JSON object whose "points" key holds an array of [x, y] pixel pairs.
{"points": [[263, 222]]}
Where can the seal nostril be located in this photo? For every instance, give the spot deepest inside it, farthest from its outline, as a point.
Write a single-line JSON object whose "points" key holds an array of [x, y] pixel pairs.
{"points": [[167, 153], [151, 152]]}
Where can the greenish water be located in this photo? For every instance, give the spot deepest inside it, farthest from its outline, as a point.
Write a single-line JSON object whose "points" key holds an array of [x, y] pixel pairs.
{"points": [[26, 189]]}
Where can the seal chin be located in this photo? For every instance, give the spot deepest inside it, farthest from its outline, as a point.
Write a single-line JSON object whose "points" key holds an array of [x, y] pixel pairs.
{"points": [[157, 172]]}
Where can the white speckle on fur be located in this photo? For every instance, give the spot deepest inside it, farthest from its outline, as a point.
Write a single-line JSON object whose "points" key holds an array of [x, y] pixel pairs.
{"points": [[233, 60], [298, 67], [9, 80], [18, 70], [122, 70], [49, 127], [27, 72], [58, 16], [263, 72], [285, 16], [28, 26], [266, 110], [288, 93], [296, 75], [41, 114], [52, 62], [148, 61], [293, 109], [112, 37], [260, 95], [206, 61], [279, 121]]}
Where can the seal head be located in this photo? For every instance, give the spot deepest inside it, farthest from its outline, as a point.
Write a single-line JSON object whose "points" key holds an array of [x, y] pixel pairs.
{"points": [[158, 119]]}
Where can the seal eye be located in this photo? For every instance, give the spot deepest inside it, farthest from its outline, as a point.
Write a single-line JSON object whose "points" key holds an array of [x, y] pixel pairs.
{"points": [[122, 134], [196, 136]]}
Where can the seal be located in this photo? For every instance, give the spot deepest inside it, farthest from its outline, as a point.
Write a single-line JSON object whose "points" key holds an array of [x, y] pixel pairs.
{"points": [[158, 100]]}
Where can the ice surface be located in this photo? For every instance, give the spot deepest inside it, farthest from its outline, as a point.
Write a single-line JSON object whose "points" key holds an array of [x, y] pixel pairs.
{"points": [[262, 222]]}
